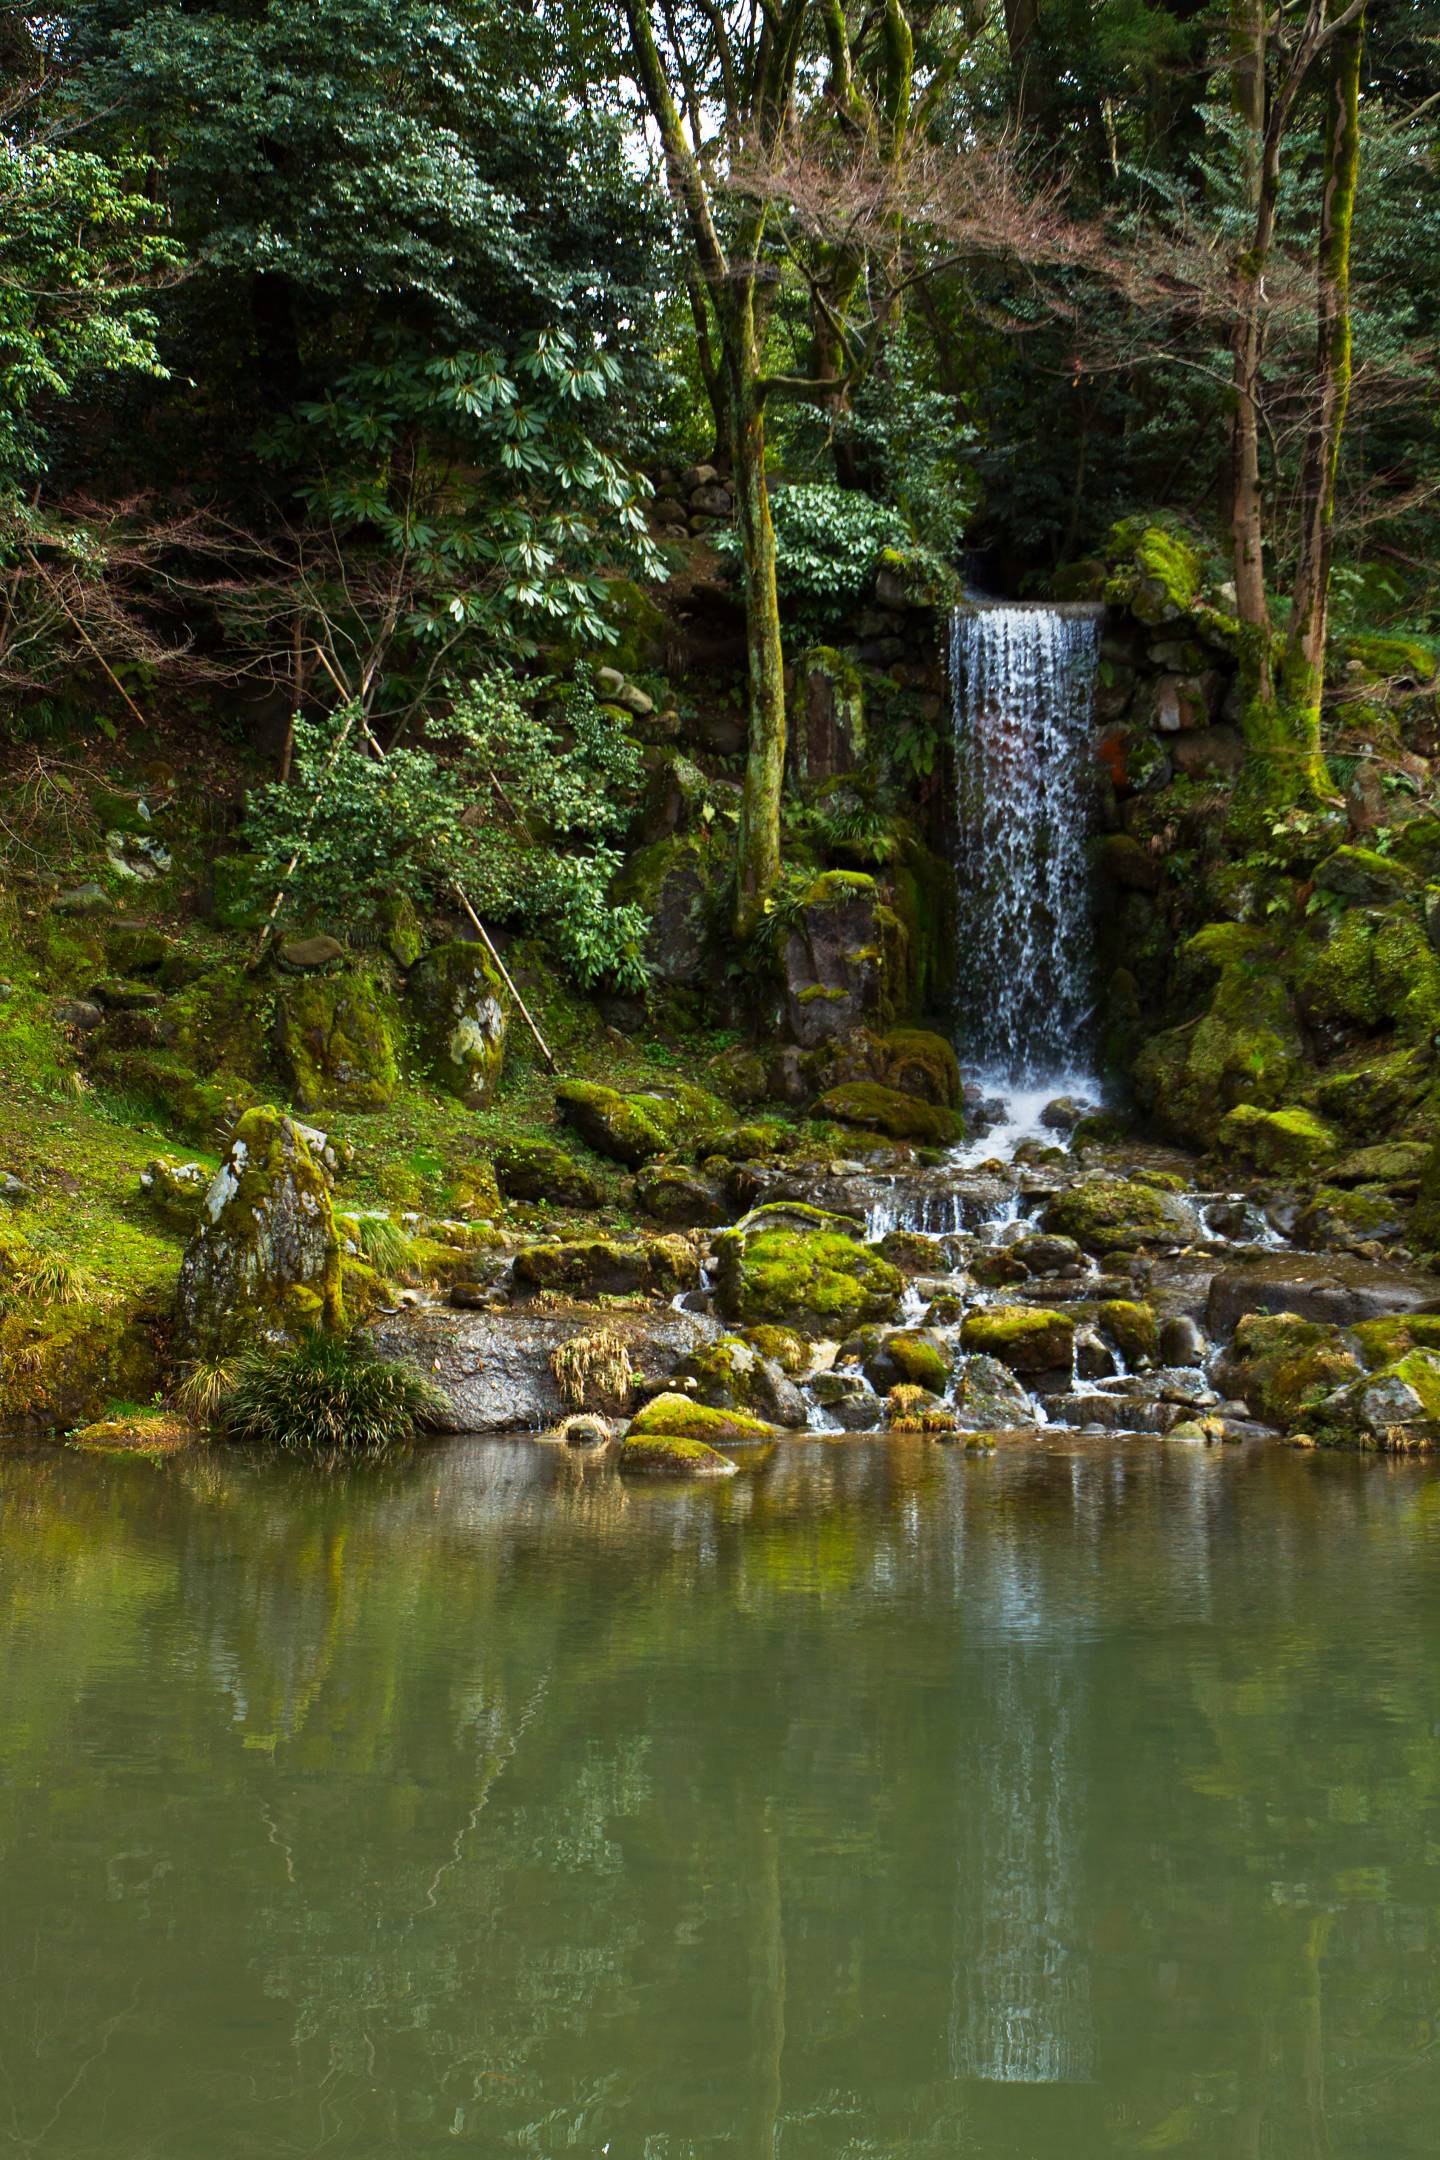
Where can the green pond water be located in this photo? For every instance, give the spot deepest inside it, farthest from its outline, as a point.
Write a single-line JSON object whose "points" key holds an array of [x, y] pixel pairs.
{"points": [[1082, 1800]]}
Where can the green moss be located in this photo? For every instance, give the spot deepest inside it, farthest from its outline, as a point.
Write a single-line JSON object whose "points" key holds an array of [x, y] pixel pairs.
{"points": [[787, 1349], [918, 1359], [61, 1365], [819, 1282], [202, 1108], [1361, 875], [1158, 574], [538, 1170], [834, 887], [914, 1061], [1132, 1328], [590, 1267], [335, 1042], [699, 1421], [1383, 1341], [1106, 1217], [1392, 659], [1374, 968], [632, 1129], [1246, 1049], [874, 1108], [266, 1258], [1026, 1338], [655, 1454], [1373, 1095], [1275, 1140], [1284, 1366], [459, 1004]]}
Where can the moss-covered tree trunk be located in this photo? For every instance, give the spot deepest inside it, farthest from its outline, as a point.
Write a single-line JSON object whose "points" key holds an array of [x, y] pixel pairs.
{"points": [[758, 863], [1303, 668]]}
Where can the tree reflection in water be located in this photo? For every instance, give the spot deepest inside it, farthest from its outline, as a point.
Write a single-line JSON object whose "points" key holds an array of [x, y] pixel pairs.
{"points": [[886, 1801]]}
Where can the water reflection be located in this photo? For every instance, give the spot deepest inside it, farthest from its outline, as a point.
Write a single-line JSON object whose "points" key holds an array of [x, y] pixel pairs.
{"points": [[1078, 1801]]}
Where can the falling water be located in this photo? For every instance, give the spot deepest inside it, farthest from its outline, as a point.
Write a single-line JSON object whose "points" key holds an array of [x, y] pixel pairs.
{"points": [[1023, 682]]}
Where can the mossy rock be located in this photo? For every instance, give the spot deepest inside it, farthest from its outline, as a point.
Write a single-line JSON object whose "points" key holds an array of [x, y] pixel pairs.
{"points": [[219, 1023], [674, 1194], [1158, 575], [873, 1108], [1395, 1165], [1246, 1049], [235, 899], [176, 1191], [1425, 1216], [680, 884], [782, 1346], [61, 1365], [1120, 1216], [1392, 659], [1395, 1410], [915, 1061], [1132, 1327], [1275, 1141], [1372, 1096], [1381, 1342], [334, 1042], [818, 1282], [734, 1373], [150, 1433], [1373, 968], [758, 1141], [635, 1128], [458, 999], [1284, 1366], [989, 1397], [1026, 1338], [908, 1357], [602, 1267], [671, 1455], [1349, 1220], [134, 948], [700, 1421], [1365, 878], [538, 1170], [266, 1257]]}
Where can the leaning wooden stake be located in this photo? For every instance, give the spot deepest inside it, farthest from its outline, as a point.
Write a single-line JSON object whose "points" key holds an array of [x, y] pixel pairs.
{"points": [[505, 977]]}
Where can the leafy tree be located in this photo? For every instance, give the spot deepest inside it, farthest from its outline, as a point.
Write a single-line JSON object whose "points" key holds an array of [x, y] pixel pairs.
{"points": [[521, 804]]}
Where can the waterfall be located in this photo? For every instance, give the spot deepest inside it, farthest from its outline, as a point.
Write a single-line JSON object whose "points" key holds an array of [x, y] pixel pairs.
{"points": [[1023, 683]]}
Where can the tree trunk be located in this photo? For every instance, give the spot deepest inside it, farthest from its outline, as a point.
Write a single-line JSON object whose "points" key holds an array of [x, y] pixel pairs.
{"points": [[1247, 61], [758, 864], [1303, 675]]}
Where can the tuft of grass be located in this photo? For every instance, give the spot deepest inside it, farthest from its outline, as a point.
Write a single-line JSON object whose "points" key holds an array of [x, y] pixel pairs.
{"points": [[327, 1394], [385, 1246], [50, 1278], [206, 1387]]}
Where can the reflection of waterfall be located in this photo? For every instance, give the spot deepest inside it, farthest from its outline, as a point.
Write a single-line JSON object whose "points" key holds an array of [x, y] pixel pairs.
{"points": [[1021, 2013], [1023, 681]]}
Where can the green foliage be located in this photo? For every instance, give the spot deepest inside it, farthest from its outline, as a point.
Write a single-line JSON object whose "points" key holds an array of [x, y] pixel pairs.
{"points": [[329, 1393], [80, 244], [520, 801], [828, 543]]}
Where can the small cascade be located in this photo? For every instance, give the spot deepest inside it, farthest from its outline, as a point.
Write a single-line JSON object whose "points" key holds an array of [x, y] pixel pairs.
{"points": [[1023, 682]]}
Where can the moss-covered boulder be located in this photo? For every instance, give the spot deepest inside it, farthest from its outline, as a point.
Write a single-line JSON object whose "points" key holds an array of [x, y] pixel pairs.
{"points": [[827, 715], [679, 883], [1370, 1095], [674, 1194], [1395, 1410], [335, 1042], [733, 1373], [1274, 1141], [1349, 1219], [1119, 1215], [538, 1170], [62, 1363], [843, 960], [603, 1267], [918, 1062], [1246, 1048], [633, 1129], [989, 1398], [1132, 1327], [1284, 1366], [1381, 1342], [671, 1455], [150, 1432], [1026, 1338], [176, 1191], [459, 1004], [820, 1281], [1364, 877], [1425, 1217], [693, 1420], [1372, 968], [873, 1108], [266, 1259], [908, 1357], [1157, 574]]}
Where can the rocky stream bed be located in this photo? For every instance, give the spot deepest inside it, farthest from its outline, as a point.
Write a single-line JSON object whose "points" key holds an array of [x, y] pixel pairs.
{"points": [[1011, 1284]]}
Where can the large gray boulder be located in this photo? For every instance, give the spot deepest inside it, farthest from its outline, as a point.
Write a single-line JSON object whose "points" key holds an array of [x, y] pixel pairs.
{"points": [[265, 1260]]}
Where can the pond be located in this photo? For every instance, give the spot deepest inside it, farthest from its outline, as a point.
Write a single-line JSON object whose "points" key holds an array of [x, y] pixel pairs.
{"points": [[1073, 1801]]}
